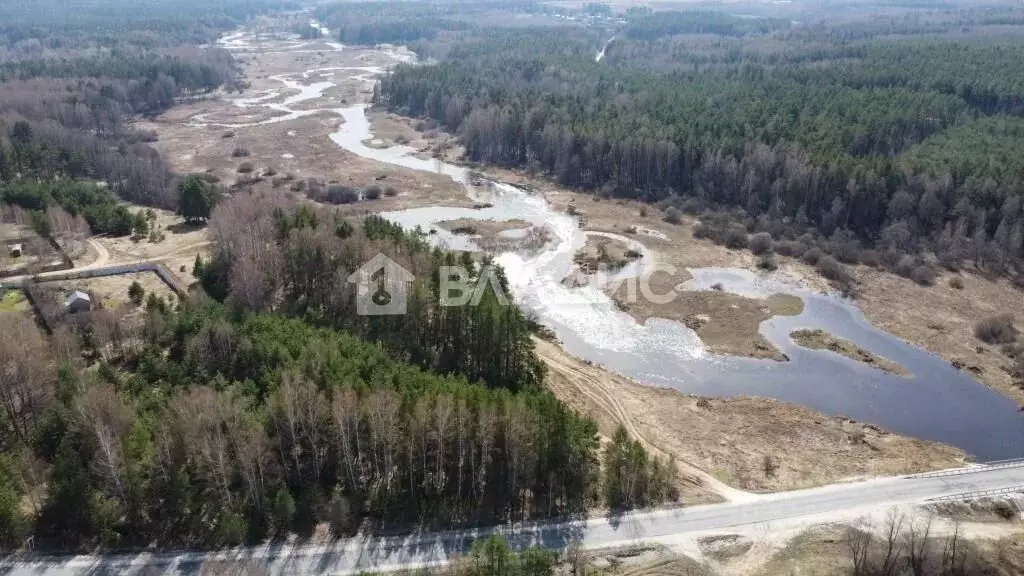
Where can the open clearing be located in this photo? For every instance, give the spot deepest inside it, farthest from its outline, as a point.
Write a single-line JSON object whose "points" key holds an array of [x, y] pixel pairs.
{"points": [[731, 437], [112, 291]]}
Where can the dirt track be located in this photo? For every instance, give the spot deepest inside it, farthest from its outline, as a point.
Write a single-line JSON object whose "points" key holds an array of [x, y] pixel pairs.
{"points": [[569, 376], [723, 442]]}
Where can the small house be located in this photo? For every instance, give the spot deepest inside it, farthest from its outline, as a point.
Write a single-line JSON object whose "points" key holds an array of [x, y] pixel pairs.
{"points": [[78, 301], [14, 250]]}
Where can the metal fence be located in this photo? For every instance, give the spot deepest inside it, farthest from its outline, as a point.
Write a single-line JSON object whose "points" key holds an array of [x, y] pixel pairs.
{"points": [[995, 465], [978, 494]]}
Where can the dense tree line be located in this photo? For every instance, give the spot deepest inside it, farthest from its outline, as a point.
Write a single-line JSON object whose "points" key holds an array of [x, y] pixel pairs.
{"points": [[843, 139], [397, 32], [154, 79], [96, 204], [33, 29], [428, 28], [656, 25]]}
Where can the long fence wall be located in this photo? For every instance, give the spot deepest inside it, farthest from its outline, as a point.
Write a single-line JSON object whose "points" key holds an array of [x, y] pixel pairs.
{"points": [[50, 318], [172, 281]]}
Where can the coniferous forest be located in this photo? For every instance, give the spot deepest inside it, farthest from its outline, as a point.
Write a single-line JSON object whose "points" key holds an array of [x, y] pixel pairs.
{"points": [[897, 136]]}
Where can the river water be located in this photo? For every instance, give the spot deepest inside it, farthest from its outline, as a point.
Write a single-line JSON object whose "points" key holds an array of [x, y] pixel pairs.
{"points": [[936, 402]]}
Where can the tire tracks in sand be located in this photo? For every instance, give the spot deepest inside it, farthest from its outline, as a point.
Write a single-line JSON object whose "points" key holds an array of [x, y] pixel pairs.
{"points": [[571, 376]]}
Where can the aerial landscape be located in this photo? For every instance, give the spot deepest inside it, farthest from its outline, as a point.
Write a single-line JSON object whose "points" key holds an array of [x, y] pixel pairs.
{"points": [[512, 287]]}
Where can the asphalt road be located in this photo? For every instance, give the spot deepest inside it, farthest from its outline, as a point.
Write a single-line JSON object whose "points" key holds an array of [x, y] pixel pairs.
{"points": [[410, 552]]}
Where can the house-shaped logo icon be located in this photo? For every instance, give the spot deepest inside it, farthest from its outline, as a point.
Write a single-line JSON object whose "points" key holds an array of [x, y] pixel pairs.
{"points": [[381, 287]]}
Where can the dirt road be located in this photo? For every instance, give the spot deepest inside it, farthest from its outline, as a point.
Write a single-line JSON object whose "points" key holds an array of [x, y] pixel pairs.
{"points": [[596, 385]]}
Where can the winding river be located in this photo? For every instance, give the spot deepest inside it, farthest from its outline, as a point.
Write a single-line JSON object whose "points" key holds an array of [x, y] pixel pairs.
{"points": [[937, 402]]}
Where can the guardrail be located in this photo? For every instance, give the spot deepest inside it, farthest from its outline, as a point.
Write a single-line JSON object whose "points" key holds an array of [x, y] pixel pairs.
{"points": [[994, 465], [978, 494]]}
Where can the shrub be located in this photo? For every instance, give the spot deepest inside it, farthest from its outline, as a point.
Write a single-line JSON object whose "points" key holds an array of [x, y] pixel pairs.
{"points": [[871, 258], [760, 243], [372, 192], [949, 260], [240, 152], [736, 237], [956, 282], [890, 258], [906, 266], [924, 275], [673, 215], [812, 256], [693, 206], [996, 329], [339, 194], [245, 168], [390, 191], [792, 248], [767, 262], [830, 268], [703, 230], [643, 212], [270, 171], [1005, 510], [846, 249]]}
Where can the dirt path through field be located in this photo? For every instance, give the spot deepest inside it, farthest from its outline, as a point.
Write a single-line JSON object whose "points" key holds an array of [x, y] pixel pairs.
{"points": [[596, 385], [724, 446]]}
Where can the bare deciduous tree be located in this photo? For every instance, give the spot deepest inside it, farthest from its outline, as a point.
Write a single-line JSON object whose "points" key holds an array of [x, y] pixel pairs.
{"points": [[206, 443], [106, 421], [27, 375], [918, 545], [299, 413], [346, 417], [858, 541]]}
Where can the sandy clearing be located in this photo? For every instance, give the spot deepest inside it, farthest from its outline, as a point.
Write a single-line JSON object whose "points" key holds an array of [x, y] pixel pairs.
{"points": [[728, 439]]}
